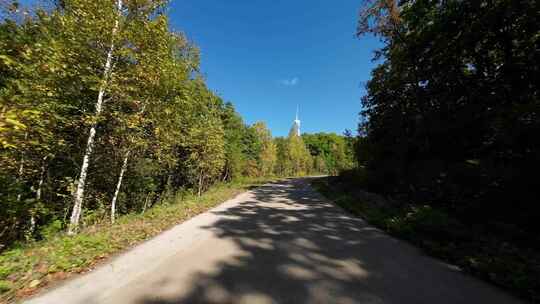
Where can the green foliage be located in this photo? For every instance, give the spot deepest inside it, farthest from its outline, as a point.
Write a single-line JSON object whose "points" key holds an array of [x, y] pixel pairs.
{"points": [[158, 115], [292, 156], [449, 125], [298, 156], [331, 153], [451, 114], [244, 146], [51, 229], [267, 150], [5, 286]]}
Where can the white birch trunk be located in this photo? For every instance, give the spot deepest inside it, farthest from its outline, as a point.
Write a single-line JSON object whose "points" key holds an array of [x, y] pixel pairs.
{"points": [[21, 169], [79, 194], [29, 233], [19, 176], [226, 175], [118, 185], [41, 178]]}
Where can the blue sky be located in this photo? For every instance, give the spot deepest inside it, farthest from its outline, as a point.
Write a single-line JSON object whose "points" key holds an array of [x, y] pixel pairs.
{"points": [[268, 56]]}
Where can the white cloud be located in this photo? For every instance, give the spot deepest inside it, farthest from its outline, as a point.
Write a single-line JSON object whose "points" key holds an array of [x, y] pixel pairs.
{"points": [[289, 82]]}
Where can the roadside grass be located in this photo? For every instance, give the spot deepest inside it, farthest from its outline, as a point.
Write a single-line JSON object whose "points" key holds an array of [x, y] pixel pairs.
{"points": [[474, 249], [26, 269]]}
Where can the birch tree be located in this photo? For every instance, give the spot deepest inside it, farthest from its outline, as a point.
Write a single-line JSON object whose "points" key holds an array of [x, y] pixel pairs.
{"points": [[164, 62], [107, 71], [118, 185]]}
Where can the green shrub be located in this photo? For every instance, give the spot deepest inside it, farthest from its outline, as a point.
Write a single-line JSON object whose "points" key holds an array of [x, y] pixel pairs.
{"points": [[52, 229], [5, 286]]}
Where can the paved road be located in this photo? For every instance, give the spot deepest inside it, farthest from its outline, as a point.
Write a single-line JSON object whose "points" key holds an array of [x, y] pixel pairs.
{"points": [[280, 243]]}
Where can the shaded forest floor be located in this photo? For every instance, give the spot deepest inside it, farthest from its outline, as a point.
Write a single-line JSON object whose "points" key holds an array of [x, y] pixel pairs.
{"points": [[472, 248], [26, 269]]}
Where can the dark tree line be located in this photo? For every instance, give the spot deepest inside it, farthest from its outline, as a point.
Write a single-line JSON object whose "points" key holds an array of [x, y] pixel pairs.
{"points": [[451, 115]]}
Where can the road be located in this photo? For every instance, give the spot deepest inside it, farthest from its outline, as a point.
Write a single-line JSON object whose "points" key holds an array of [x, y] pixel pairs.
{"points": [[280, 243]]}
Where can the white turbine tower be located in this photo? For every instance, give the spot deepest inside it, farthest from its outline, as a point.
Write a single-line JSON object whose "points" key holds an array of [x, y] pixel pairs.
{"points": [[296, 125]]}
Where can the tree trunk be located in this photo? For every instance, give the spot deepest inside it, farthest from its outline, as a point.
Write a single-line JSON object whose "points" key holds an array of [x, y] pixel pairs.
{"points": [[79, 194], [226, 175], [19, 176], [30, 232], [145, 203], [118, 185], [41, 178], [120, 177], [21, 169], [200, 184]]}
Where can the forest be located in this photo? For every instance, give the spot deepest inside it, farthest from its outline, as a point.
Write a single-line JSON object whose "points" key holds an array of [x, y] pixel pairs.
{"points": [[449, 130], [104, 112], [109, 134]]}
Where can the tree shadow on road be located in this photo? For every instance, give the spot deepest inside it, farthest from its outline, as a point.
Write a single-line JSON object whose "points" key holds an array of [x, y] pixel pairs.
{"points": [[302, 249]]}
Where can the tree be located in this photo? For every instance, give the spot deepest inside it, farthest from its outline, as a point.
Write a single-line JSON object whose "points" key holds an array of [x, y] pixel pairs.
{"points": [[32, 116], [114, 21], [282, 167], [161, 68], [149, 126], [295, 157], [451, 110], [331, 153], [268, 152]]}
